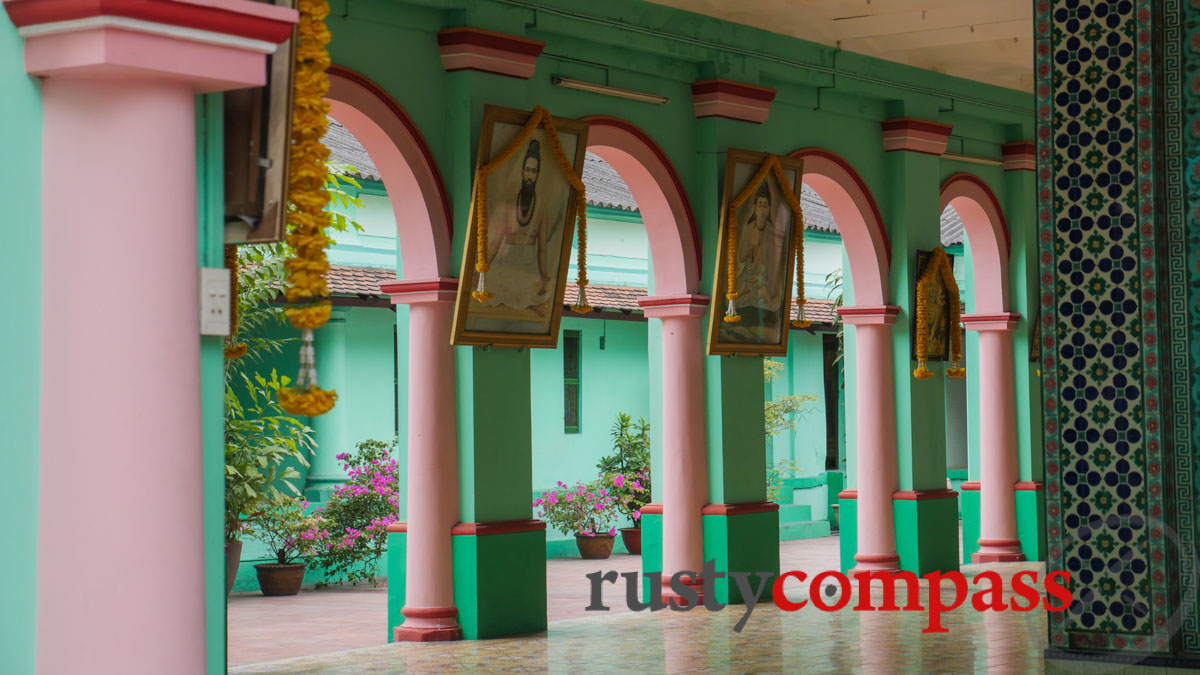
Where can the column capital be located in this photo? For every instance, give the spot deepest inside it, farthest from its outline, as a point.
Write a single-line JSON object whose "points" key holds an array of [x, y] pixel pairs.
{"points": [[404, 292], [884, 315], [1019, 156], [212, 46], [663, 306], [915, 135], [467, 48], [1004, 321], [718, 97]]}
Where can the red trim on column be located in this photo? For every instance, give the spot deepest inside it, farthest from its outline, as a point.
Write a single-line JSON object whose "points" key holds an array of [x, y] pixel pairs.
{"points": [[848, 494], [922, 495], [468, 48], [645, 138], [970, 485], [915, 135], [876, 558], [402, 286], [398, 527], [916, 124], [738, 509], [999, 542], [1031, 485], [652, 509], [1019, 156], [366, 83], [673, 300], [478, 37], [498, 527], [886, 310], [718, 85], [984, 318], [664, 581], [406, 634], [429, 612], [249, 20]]}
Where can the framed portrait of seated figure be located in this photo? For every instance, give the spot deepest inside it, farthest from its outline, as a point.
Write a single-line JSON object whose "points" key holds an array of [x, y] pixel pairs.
{"points": [[757, 250], [516, 298]]}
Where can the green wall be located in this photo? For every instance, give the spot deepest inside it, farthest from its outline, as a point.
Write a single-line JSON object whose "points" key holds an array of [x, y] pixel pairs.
{"points": [[20, 350]]}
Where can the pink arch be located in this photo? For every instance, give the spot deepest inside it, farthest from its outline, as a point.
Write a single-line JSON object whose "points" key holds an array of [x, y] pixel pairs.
{"points": [[987, 231], [406, 167], [666, 212], [857, 217]]}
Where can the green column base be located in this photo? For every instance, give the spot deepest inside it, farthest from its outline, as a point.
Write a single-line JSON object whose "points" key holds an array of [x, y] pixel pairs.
{"points": [[652, 551], [848, 532], [835, 481], [500, 583], [970, 523], [747, 542], [1031, 523], [926, 534], [397, 549]]}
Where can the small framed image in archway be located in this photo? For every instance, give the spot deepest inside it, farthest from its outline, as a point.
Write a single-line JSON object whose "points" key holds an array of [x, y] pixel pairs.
{"points": [[765, 260], [531, 225], [937, 301]]}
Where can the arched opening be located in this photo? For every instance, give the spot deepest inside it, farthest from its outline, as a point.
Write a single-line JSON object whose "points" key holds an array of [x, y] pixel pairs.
{"points": [[987, 231]]}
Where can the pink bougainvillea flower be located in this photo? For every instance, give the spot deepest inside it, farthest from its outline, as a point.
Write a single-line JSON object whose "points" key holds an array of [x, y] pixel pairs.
{"points": [[603, 492], [618, 480], [612, 532], [635, 484], [552, 499], [637, 514], [537, 502]]}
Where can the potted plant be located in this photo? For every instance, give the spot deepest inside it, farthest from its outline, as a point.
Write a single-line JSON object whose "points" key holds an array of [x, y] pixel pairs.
{"points": [[281, 525], [626, 475], [587, 510]]}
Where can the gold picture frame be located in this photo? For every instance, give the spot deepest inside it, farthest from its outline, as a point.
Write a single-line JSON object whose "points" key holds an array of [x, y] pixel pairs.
{"points": [[530, 231], [938, 323], [765, 253]]}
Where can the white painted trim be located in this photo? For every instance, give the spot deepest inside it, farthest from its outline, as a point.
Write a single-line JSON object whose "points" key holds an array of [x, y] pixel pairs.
{"points": [[141, 26]]}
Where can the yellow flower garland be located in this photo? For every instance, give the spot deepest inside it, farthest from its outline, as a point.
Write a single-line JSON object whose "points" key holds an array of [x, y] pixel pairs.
{"points": [[307, 288], [772, 165], [939, 265], [540, 117], [233, 348]]}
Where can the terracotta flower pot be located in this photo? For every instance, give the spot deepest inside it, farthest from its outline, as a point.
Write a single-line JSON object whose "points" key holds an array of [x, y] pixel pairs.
{"points": [[632, 536], [598, 547], [276, 579], [233, 558]]}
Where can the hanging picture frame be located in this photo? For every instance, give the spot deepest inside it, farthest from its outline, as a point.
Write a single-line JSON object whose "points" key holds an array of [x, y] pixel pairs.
{"points": [[937, 302], [768, 227], [516, 300]]}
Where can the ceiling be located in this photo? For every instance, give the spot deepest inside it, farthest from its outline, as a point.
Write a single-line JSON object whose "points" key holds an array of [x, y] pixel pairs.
{"points": [[986, 40]]}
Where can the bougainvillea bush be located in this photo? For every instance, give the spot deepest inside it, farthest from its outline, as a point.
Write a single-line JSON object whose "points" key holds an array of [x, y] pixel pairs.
{"points": [[588, 509], [350, 533]]}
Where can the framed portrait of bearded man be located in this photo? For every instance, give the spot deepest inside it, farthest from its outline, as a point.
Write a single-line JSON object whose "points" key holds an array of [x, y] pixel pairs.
{"points": [[760, 257], [516, 300]]}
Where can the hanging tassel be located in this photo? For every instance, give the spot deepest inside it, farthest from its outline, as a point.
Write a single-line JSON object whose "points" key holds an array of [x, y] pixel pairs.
{"points": [[731, 315], [306, 398], [480, 292], [922, 372], [801, 321], [954, 371]]}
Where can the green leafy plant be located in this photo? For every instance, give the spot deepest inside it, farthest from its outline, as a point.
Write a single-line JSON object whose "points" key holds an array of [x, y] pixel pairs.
{"points": [[583, 509], [775, 476], [625, 473], [339, 177], [349, 535], [781, 412], [280, 524], [833, 282]]}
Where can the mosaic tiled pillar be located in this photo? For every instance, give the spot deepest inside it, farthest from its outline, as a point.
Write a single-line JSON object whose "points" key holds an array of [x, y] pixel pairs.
{"points": [[1118, 234]]}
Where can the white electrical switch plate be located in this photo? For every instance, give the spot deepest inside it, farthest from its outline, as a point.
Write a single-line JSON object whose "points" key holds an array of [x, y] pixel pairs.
{"points": [[214, 301]]}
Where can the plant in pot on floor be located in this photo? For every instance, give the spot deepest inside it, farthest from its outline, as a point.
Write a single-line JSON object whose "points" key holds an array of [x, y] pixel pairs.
{"points": [[587, 510], [626, 475], [281, 525]]}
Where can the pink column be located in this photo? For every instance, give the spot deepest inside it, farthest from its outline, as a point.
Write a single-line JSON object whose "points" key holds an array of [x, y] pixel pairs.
{"points": [[121, 588], [875, 401], [998, 541], [429, 611], [685, 469]]}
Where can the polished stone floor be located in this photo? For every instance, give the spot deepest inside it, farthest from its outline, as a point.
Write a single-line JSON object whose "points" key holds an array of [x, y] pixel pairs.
{"points": [[675, 642]]}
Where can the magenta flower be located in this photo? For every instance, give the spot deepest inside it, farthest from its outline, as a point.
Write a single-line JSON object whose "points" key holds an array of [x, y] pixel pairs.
{"points": [[612, 532], [637, 515], [618, 480], [635, 484]]}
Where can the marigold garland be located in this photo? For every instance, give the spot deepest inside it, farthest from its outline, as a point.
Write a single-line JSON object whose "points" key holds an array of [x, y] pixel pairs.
{"points": [[307, 288], [771, 165], [540, 117], [233, 348], [938, 265]]}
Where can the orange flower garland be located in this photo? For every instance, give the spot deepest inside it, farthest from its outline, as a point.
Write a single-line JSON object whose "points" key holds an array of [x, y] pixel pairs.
{"points": [[540, 117], [939, 265], [731, 293], [307, 289]]}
